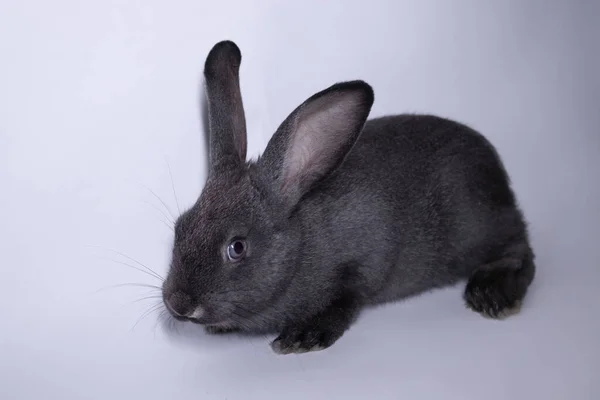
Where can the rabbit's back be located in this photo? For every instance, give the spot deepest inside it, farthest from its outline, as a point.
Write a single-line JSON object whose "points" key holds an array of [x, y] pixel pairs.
{"points": [[419, 202]]}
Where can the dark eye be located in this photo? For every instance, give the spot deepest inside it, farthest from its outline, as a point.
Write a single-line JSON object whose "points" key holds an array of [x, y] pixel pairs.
{"points": [[236, 249]]}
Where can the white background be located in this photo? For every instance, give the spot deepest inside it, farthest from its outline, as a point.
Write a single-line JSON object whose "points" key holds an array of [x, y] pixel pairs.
{"points": [[98, 98]]}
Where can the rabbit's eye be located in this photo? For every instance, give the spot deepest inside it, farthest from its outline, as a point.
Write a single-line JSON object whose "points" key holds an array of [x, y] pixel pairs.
{"points": [[236, 249]]}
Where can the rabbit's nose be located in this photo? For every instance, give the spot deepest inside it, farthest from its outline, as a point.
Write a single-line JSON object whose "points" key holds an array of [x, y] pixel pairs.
{"points": [[180, 304]]}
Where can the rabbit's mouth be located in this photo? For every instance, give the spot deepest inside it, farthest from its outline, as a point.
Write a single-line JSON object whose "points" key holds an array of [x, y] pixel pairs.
{"points": [[200, 321], [201, 316], [180, 307]]}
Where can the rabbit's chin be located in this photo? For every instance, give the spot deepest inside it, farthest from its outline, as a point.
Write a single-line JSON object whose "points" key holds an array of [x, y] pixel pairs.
{"points": [[207, 321], [223, 327]]}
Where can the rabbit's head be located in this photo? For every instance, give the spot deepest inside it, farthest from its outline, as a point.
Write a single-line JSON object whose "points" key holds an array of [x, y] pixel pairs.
{"points": [[237, 248]]}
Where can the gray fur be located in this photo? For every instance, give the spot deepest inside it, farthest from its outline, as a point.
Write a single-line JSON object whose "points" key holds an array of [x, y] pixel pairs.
{"points": [[341, 213]]}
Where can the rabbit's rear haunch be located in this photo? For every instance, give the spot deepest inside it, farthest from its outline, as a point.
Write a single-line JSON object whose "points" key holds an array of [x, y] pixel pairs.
{"points": [[340, 213]]}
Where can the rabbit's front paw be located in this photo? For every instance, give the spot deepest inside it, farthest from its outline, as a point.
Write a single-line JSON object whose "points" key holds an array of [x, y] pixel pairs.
{"points": [[320, 331], [304, 339]]}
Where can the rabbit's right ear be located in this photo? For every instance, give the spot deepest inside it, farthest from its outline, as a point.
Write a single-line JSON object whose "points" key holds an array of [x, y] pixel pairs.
{"points": [[227, 122], [315, 139]]}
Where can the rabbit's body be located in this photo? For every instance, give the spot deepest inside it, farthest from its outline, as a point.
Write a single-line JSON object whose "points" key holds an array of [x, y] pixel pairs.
{"points": [[391, 223], [409, 224], [339, 214]]}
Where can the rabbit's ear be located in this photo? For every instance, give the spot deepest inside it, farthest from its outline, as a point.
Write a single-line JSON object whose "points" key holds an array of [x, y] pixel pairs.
{"points": [[315, 139], [227, 122]]}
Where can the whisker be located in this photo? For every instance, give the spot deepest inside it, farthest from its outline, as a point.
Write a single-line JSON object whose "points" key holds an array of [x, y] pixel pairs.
{"points": [[160, 319], [149, 273], [245, 319], [241, 320], [159, 199], [264, 322], [146, 313], [173, 326], [132, 259], [173, 186], [168, 226], [160, 211], [147, 298], [244, 325], [145, 285], [139, 263]]}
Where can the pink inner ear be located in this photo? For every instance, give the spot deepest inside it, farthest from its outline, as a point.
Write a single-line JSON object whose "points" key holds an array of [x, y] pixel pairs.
{"points": [[321, 129]]}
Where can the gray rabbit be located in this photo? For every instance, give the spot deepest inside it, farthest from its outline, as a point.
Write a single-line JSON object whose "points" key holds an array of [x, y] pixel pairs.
{"points": [[339, 214]]}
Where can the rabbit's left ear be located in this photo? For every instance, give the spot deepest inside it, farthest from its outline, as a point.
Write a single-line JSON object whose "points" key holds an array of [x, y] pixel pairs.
{"points": [[227, 122], [315, 139]]}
